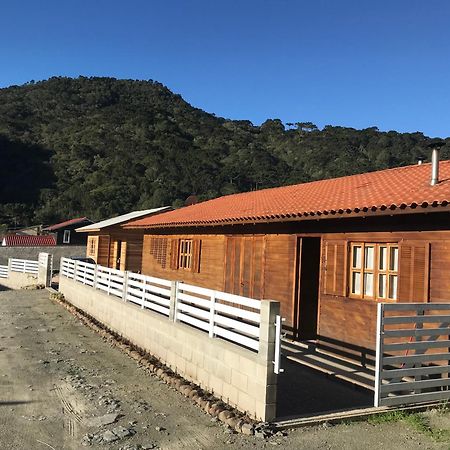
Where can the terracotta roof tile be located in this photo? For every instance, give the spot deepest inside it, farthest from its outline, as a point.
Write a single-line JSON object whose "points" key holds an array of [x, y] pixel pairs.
{"points": [[23, 240], [403, 187]]}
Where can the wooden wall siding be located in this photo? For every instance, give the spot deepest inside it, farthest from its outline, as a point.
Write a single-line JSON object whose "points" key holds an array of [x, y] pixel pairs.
{"points": [[440, 272], [103, 250], [211, 254], [279, 268], [424, 264]]}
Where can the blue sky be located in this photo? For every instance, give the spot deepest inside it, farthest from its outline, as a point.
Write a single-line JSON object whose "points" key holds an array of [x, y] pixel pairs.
{"points": [[339, 62]]}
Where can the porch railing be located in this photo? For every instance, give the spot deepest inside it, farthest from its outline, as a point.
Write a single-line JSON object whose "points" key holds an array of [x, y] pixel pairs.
{"points": [[231, 317]]}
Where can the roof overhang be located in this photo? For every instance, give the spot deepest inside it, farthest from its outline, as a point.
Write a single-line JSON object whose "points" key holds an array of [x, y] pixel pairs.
{"points": [[383, 210]]}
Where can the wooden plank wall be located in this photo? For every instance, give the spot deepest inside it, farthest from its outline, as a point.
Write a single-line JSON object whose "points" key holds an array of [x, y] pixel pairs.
{"points": [[156, 259], [424, 265]]}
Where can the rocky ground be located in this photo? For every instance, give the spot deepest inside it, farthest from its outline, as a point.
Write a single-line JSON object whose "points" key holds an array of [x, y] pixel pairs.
{"points": [[64, 387]]}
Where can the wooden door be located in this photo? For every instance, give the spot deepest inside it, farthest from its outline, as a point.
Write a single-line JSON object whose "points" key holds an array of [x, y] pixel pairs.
{"points": [[306, 294], [123, 256], [244, 266]]}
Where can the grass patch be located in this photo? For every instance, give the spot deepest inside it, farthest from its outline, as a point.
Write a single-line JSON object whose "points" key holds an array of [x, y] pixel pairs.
{"points": [[414, 420]]}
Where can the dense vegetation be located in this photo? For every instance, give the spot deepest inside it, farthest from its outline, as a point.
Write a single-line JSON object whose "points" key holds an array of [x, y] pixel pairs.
{"points": [[101, 146]]}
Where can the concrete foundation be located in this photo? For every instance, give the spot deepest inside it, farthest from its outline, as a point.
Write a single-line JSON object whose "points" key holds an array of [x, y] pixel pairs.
{"points": [[18, 280]]}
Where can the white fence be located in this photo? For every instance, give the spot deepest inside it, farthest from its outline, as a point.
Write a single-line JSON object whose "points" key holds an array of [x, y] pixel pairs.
{"points": [[24, 266], [3, 271], [230, 317], [413, 353]]}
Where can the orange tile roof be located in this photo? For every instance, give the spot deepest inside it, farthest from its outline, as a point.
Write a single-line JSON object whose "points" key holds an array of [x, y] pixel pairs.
{"points": [[403, 187]]}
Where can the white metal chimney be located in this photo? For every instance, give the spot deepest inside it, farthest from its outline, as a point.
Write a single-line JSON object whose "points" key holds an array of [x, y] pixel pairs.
{"points": [[434, 167], [435, 146]]}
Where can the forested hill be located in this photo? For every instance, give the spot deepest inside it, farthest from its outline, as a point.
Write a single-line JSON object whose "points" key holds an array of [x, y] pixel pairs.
{"points": [[101, 146]]}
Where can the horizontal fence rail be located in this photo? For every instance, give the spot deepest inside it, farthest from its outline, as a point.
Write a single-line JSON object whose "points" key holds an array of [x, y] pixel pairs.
{"points": [[413, 353], [3, 271], [24, 266], [221, 315]]}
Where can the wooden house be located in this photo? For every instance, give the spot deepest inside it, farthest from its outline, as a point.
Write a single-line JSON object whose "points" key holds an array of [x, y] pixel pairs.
{"points": [[64, 232], [108, 244], [328, 250]]}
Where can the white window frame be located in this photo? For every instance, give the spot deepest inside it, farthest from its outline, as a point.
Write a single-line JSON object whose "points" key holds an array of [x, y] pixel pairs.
{"points": [[66, 237]]}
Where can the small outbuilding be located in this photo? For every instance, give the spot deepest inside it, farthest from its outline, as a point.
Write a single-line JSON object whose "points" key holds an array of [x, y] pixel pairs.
{"points": [[64, 232], [110, 246]]}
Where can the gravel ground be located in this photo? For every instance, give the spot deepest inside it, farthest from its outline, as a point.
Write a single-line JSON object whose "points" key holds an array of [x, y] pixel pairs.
{"points": [[63, 387]]}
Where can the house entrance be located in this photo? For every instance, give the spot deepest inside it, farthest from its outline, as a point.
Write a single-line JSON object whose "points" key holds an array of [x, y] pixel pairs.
{"points": [[306, 288]]}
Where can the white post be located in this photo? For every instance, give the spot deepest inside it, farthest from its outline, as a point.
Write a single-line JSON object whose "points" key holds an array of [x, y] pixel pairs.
{"points": [[109, 282], [173, 301], [378, 354], [75, 269], [144, 284], [95, 276], [277, 357], [212, 309], [125, 286], [9, 267]]}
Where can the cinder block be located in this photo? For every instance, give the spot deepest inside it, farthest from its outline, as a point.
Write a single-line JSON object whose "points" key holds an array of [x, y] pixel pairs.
{"points": [[230, 393], [247, 366], [216, 384], [231, 359], [246, 402], [239, 380]]}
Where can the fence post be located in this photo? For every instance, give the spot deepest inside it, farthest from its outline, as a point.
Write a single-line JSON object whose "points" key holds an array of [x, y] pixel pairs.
{"points": [[378, 354], [173, 301], [75, 268], [9, 266], [125, 286], [144, 284], [95, 276], [212, 311], [266, 354], [108, 287], [44, 269]]}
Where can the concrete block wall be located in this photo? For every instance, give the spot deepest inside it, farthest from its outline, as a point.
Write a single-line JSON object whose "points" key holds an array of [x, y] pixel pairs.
{"points": [[18, 280], [33, 253], [240, 377]]}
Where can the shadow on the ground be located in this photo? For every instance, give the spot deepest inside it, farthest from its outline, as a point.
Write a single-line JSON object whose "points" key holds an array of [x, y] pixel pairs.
{"points": [[16, 402], [4, 288], [303, 391]]}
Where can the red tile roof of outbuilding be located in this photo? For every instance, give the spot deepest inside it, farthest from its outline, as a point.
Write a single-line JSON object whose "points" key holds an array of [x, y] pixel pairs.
{"points": [[16, 240], [400, 188], [67, 223]]}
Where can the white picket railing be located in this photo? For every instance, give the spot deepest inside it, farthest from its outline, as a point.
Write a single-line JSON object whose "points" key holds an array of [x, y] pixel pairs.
{"points": [[3, 271], [24, 266], [230, 317]]}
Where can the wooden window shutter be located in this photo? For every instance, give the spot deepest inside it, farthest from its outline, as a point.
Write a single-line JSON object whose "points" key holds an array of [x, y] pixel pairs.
{"points": [[334, 268], [414, 271], [196, 255], [174, 246]]}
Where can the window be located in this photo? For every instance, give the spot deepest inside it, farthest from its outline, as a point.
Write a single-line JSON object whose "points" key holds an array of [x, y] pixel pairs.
{"points": [[185, 254], [374, 271], [92, 246], [66, 237]]}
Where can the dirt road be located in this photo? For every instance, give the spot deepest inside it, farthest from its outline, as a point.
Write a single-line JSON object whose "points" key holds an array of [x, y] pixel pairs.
{"points": [[63, 387]]}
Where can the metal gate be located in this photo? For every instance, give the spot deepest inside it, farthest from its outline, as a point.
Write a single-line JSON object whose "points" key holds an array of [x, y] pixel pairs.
{"points": [[412, 353]]}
